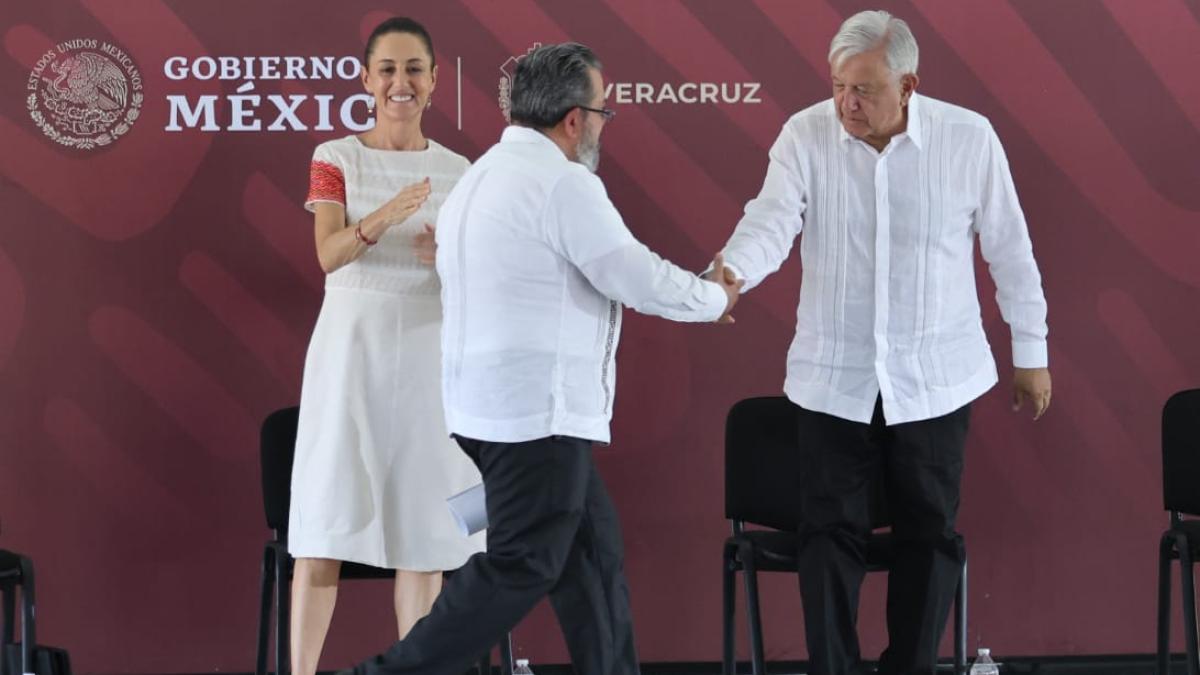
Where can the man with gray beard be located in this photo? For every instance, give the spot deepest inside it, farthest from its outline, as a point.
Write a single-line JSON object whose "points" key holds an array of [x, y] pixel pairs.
{"points": [[535, 264]]}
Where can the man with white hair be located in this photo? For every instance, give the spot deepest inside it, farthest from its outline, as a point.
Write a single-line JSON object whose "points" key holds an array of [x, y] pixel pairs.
{"points": [[890, 190]]}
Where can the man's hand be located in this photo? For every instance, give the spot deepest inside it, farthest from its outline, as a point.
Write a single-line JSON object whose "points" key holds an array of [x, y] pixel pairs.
{"points": [[720, 274], [1033, 385], [425, 245]]}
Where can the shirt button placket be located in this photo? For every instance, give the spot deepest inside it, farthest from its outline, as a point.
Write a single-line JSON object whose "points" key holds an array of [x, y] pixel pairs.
{"points": [[883, 223]]}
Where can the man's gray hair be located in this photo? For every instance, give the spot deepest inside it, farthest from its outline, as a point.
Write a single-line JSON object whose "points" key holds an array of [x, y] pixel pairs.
{"points": [[871, 29], [549, 82]]}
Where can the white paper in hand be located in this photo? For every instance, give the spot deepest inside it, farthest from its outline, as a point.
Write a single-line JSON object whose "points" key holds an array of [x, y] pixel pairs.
{"points": [[469, 508]]}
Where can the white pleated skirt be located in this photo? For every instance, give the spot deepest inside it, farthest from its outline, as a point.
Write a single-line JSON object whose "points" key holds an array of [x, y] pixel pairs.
{"points": [[374, 463]]}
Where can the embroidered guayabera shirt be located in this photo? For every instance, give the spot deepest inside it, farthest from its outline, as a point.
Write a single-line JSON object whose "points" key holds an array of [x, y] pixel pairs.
{"points": [[535, 263], [888, 307]]}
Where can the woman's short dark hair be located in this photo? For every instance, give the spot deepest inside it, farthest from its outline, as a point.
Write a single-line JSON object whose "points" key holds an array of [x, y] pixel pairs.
{"points": [[399, 24], [549, 82]]}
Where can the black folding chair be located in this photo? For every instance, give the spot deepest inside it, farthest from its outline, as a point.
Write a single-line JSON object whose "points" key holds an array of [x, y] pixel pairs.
{"points": [[277, 448], [1181, 541], [762, 450]]}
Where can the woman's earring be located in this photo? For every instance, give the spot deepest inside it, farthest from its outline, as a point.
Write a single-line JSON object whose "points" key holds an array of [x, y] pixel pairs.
{"points": [[429, 101], [371, 104]]}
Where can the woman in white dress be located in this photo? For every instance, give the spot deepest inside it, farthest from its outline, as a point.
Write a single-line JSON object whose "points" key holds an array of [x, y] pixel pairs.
{"points": [[374, 464]]}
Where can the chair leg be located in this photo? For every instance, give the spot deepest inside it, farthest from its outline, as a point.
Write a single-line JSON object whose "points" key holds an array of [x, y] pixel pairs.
{"points": [[28, 624], [10, 620], [283, 588], [264, 611], [1189, 604], [960, 624], [1166, 551], [506, 655], [728, 639], [750, 576], [10, 613]]}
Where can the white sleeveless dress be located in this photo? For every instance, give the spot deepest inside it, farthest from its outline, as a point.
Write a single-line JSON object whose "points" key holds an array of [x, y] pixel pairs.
{"points": [[374, 463]]}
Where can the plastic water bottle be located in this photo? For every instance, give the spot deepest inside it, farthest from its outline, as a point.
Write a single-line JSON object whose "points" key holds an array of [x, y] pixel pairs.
{"points": [[984, 665], [523, 667]]}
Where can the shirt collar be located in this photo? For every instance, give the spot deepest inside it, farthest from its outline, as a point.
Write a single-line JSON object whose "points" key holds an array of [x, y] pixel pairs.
{"points": [[515, 133], [913, 131]]}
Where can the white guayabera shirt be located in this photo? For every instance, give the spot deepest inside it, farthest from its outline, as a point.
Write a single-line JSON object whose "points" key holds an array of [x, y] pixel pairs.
{"points": [[888, 306], [535, 263]]}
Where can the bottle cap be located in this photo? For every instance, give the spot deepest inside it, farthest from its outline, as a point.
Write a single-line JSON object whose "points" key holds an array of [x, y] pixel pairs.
{"points": [[984, 651], [522, 663]]}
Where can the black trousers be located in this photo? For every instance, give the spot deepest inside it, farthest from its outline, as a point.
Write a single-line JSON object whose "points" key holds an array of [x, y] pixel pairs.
{"points": [[552, 531], [921, 466]]}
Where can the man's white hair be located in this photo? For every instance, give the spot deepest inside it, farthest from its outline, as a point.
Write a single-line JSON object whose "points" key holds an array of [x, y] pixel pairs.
{"points": [[870, 30]]}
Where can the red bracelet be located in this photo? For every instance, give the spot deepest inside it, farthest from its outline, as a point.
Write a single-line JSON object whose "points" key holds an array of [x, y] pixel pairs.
{"points": [[358, 234]]}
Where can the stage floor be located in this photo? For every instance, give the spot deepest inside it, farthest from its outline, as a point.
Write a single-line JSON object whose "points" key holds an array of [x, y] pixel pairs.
{"points": [[1115, 664]]}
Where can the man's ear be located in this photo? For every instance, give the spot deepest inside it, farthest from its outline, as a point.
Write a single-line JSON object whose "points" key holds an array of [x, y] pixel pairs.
{"points": [[908, 85], [573, 123]]}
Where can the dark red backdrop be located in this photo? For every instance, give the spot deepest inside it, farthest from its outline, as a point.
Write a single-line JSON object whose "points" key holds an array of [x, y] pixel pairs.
{"points": [[156, 297]]}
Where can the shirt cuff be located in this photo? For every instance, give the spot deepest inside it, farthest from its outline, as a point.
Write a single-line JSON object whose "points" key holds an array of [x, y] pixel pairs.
{"points": [[1030, 354], [716, 298]]}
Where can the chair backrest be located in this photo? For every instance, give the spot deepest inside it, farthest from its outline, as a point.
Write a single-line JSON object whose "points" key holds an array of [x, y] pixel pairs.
{"points": [[762, 462], [763, 452], [277, 449], [1181, 452]]}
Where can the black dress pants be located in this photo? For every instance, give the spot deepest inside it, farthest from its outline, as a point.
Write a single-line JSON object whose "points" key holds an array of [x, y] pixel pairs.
{"points": [[921, 466], [552, 531]]}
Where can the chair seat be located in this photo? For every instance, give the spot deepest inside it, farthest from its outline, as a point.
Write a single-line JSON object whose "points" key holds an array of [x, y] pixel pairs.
{"points": [[10, 564], [353, 570], [1190, 529], [775, 551]]}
